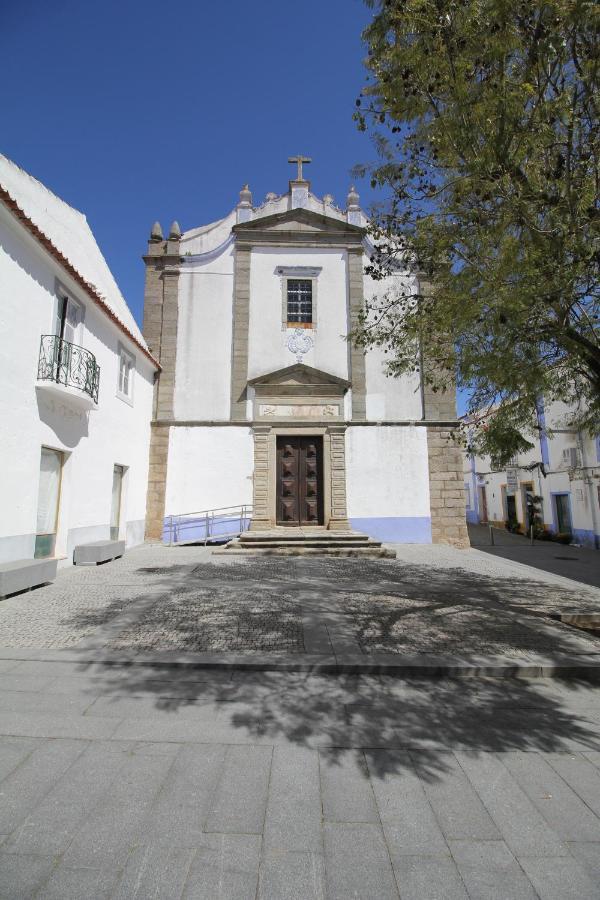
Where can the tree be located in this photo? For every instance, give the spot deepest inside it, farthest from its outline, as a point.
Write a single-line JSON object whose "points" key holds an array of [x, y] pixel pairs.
{"points": [[485, 115]]}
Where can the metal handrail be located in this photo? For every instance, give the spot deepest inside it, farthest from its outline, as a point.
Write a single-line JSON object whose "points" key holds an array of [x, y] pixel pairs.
{"points": [[211, 521], [68, 364]]}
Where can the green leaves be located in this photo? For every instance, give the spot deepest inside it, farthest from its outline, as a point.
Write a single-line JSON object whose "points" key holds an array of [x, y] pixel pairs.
{"points": [[485, 115]]}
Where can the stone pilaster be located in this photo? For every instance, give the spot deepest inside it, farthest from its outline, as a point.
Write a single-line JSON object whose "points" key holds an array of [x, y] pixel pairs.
{"points": [[261, 518], [168, 343], [446, 480], [157, 481], [161, 308], [241, 325], [337, 469], [446, 489], [357, 354]]}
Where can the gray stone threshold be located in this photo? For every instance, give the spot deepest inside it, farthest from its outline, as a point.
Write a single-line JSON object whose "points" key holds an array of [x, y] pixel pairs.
{"points": [[533, 666]]}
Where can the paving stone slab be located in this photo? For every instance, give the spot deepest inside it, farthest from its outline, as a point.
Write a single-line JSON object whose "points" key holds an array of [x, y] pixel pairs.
{"points": [[523, 828], [154, 872], [225, 868], [293, 815], [560, 879], [240, 800], [21, 876], [65, 883], [52, 824], [409, 824], [457, 807], [563, 810], [580, 774], [13, 751], [177, 817], [37, 725], [357, 863], [291, 876], [114, 826], [491, 872], [419, 877], [345, 787], [25, 787], [587, 855]]}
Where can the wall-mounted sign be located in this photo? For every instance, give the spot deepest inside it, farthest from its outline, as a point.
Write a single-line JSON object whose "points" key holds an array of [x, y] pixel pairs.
{"points": [[512, 481]]}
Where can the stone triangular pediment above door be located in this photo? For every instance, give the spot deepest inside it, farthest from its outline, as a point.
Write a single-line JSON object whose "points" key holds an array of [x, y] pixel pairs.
{"points": [[301, 376]]}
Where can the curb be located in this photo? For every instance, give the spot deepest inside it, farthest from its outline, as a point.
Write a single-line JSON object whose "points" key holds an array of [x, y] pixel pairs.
{"points": [[587, 667]]}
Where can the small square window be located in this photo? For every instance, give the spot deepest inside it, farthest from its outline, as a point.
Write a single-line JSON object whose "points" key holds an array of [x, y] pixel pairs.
{"points": [[125, 378], [299, 300]]}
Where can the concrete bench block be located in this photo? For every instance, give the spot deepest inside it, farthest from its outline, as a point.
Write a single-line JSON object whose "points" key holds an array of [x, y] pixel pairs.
{"points": [[97, 552], [23, 574]]}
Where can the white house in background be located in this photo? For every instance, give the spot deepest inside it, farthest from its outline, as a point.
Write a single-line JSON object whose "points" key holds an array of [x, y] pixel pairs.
{"points": [[261, 399], [563, 468], [76, 383]]}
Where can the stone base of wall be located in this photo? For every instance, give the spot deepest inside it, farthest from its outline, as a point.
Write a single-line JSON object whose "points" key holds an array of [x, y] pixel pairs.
{"points": [[157, 482], [446, 487]]}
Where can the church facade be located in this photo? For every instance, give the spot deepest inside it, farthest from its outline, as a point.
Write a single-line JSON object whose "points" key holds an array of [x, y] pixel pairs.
{"points": [[261, 399]]}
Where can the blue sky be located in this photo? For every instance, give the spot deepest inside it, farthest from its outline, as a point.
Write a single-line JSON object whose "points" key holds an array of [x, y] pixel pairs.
{"points": [[133, 111]]}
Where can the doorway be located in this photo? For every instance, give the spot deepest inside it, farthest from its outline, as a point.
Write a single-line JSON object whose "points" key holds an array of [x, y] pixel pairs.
{"points": [[48, 502], [115, 508], [563, 514], [483, 508], [299, 490]]}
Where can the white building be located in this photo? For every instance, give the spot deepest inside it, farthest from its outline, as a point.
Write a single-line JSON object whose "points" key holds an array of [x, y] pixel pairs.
{"points": [[563, 468], [262, 400], [76, 382]]}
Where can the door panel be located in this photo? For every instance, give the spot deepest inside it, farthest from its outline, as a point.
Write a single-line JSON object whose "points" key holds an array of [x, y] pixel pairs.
{"points": [[299, 481]]}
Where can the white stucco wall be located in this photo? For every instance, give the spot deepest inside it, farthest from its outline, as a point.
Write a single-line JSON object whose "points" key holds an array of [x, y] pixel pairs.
{"points": [[203, 367], [92, 442], [389, 398], [209, 468], [387, 481], [267, 346]]}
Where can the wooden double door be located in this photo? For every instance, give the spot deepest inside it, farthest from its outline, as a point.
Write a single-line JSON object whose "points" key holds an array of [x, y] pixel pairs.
{"points": [[299, 480]]}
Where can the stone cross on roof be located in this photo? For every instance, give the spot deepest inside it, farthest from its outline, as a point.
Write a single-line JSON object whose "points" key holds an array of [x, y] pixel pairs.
{"points": [[299, 160]]}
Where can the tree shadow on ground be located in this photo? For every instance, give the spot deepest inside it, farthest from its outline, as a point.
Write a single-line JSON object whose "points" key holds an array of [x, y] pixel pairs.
{"points": [[348, 714]]}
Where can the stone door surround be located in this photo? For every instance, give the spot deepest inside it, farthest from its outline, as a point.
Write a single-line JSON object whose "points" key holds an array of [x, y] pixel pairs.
{"points": [[335, 515]]}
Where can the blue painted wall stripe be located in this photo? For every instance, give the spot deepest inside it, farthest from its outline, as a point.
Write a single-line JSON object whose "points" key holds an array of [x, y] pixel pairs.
{"points": [[403, 530]]}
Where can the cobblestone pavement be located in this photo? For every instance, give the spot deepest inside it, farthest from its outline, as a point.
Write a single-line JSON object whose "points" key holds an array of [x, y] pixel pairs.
{"points": [[136, 782], [432, 600]]}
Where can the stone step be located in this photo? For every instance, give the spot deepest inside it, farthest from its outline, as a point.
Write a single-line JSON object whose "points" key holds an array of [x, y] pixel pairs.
{"points": [[300, 550], [301, 535], [249, 545]]}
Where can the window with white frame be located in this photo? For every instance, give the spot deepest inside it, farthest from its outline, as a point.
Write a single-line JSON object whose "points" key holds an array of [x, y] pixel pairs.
{"points": [[126, 372], [299, 296]]}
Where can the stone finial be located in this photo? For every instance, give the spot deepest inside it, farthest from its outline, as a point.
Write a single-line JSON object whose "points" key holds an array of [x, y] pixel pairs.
{"points": [[270, 197], [352, 200], [353, 213], [156, 232], [245, 197], [175, 231], [328, 199]]}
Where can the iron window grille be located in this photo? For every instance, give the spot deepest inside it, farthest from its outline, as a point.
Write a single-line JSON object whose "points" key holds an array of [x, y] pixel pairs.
{"points": [[299, 300], [68, 364]]}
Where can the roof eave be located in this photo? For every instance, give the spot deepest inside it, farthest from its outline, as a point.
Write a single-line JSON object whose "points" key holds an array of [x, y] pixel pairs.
{"points": [[97, 298]]}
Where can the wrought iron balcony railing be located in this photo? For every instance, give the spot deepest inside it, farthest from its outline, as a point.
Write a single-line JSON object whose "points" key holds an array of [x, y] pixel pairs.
{"points": [[68, 364]]}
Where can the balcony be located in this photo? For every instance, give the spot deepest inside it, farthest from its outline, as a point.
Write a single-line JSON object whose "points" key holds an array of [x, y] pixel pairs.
{"points": [[68, 371]]}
